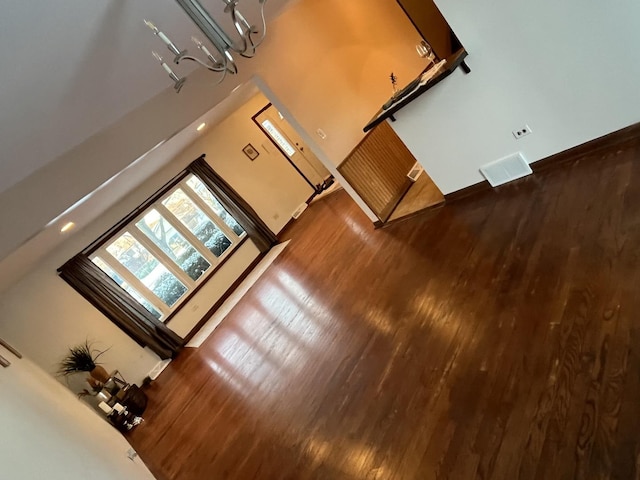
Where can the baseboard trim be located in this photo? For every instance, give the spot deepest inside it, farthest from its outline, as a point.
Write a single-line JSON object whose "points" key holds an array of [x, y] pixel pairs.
{"points": [[424, 211], [591, 147], [467, 191], [561, 159]]}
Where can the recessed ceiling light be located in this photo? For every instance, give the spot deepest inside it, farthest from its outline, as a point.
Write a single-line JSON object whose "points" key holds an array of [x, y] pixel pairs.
{"points": [[67, 227], [201, 126]]}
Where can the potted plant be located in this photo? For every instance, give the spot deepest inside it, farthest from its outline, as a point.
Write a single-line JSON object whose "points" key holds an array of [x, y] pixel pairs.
{"points": [[84, 358]]}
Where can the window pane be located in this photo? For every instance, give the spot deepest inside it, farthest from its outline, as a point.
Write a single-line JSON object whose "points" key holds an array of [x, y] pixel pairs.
{"points": [[197, 222], [167, 238], [278, 138], [126, 287], [205, 194], [139, 261]]}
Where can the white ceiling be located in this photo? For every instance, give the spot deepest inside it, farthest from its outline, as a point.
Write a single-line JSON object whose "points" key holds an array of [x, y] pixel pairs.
{"points": [[70, 69]]}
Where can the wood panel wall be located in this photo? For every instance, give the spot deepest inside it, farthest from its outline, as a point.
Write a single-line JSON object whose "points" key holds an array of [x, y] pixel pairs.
{"points": [[377, 170]]}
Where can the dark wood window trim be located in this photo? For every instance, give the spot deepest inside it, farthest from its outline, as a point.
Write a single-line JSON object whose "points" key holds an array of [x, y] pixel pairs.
{"points": [[208, 276], [113, 231], [131, 216], [119, 306]]}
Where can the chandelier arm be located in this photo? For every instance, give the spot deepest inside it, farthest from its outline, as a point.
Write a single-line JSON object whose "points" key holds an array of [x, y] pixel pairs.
{"points": [[212, 68], [254, 46], [233, 69], [224, 75], [264, 26], [178, 84], [248, 45], [240, 28], [224, 44], [252, 50]]}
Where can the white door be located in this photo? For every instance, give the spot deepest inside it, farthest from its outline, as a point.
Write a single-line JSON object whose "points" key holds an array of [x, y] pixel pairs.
{"points": [[289, 142]]}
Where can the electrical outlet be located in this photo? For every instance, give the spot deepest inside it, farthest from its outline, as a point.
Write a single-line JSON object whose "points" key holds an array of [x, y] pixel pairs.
{"points": [[321, 134], [522, 132]]}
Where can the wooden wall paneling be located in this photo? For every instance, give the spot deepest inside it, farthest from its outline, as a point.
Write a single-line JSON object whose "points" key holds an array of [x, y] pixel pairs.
{"points": [[377, 169]]}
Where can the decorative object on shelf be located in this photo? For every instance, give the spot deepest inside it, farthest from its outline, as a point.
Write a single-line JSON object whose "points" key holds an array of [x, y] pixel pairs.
{"points": [[250, 152], [122, 402], [221, 60], [424, 50], [394, 83], [84, 358], [120, 416]]}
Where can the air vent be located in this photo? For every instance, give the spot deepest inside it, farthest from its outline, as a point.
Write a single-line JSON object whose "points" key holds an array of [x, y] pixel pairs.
{"points": [[415, 172], [506, 169]]}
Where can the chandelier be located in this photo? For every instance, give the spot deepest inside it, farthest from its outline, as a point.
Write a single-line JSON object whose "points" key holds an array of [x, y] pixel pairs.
{"points": [[221, 59]]}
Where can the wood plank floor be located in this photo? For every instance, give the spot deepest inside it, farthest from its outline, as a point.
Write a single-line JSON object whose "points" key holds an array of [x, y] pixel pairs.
{"points": [[422, 194], [497, 337]]}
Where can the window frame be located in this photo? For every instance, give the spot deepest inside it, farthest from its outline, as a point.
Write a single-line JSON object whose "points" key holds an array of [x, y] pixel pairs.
{"points": [[128, 224]]}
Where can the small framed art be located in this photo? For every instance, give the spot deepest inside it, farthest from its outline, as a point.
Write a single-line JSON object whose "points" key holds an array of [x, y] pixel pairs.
{"points": [[250, 152]]}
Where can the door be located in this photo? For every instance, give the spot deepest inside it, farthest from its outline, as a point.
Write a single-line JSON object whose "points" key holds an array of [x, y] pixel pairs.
{"points": [[289, 142]]}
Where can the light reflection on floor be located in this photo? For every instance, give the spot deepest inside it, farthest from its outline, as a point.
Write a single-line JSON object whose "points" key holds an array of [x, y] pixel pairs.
{"points": [[269, 347]]}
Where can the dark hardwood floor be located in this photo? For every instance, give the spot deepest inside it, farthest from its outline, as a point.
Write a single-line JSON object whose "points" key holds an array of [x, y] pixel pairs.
{"points": [[497, 337]]}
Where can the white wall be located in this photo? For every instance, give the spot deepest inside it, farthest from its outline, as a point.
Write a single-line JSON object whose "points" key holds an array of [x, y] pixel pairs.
{"points": [[48, 433], [43, 316], [570, 70]]}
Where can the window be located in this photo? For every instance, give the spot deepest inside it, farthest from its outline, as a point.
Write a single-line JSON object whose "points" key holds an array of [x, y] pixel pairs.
{"points": [[144, 269], [167, 250]]}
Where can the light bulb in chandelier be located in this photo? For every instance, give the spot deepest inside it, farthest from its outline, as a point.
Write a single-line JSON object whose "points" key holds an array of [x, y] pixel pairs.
{"points": [[177, 81]]}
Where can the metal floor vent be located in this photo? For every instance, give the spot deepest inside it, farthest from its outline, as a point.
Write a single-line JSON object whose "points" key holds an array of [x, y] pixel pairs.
{"points": [[506, 169]]}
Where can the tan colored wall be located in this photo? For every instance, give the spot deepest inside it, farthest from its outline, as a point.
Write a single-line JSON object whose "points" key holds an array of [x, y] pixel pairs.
{"points": [[270, 172], [335, 62]]}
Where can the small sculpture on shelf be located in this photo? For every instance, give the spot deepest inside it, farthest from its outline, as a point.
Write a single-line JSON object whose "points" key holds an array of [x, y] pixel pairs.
{"points": [[394, 83], [122, 402], [120, 416]]}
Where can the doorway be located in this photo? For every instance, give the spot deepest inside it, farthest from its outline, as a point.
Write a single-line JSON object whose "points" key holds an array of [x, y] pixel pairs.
{"points": [[286, 139]]}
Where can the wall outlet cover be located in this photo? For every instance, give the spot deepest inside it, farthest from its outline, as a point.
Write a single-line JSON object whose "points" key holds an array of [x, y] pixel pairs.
{"points": [[518, 133]]}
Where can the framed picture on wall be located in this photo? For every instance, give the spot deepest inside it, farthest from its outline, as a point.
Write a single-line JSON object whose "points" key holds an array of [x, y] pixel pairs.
{"points": [[250, 152]]}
